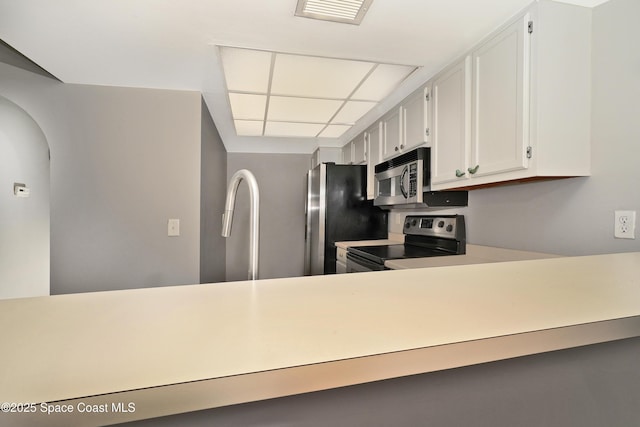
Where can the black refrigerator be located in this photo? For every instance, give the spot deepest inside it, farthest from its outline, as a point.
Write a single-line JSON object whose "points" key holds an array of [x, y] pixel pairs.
{"points": [[337, 210]]}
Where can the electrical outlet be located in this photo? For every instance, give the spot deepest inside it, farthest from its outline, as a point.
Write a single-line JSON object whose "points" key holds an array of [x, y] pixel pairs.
{"points": [[625, 224]]}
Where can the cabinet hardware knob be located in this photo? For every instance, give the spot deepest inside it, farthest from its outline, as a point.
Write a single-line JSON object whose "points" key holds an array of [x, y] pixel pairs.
{"points": [[396, 148], [401, 146], [473, 170], [459, 173]]}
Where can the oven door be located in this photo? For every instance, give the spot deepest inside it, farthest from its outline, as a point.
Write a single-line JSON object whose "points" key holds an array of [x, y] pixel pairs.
{"points": [[358, 264]]}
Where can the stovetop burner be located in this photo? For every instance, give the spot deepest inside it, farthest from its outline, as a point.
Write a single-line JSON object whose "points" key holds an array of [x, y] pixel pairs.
{"points": [[382, 253], [425, 236]]}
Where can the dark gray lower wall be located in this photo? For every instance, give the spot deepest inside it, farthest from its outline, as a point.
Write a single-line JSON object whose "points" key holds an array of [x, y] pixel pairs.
{"points": [[592, 386], [213, 182], [282, 183]]}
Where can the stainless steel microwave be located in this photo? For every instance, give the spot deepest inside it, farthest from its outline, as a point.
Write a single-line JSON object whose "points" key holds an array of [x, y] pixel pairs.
{"points": [[404, 181]]}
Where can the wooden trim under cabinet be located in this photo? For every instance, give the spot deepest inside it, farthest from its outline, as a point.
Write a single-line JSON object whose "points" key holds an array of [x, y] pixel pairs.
{"points": [[510, 182]]}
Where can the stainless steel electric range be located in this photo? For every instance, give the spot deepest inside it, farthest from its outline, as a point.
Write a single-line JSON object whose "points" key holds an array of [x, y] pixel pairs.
{"points": [[425, 236]]}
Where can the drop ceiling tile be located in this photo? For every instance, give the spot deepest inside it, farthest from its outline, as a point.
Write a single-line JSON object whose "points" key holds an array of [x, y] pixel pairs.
{"points": [[287, 129], [306, 92], [248, 127], [352, 111], [384, 79], [289, 109], [311, 76], [334, 131], [246, 70], [247, 107]]}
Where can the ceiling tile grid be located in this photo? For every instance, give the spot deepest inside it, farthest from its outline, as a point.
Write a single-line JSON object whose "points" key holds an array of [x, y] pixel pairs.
{"points": [[286, 95]]}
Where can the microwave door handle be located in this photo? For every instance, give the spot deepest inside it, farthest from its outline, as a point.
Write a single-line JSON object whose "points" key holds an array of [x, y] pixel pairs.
{"points": [[402, 189]]}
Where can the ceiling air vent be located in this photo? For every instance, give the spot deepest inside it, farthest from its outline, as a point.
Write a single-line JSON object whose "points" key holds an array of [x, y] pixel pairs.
{"points": [[345, 11]]}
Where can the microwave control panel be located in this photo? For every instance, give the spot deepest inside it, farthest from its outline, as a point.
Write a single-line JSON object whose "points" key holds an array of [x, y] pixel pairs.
{"points": [[413, 179]]}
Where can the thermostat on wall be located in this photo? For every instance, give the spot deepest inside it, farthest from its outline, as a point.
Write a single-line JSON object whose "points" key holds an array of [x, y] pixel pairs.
{"points": [[20, 190]]}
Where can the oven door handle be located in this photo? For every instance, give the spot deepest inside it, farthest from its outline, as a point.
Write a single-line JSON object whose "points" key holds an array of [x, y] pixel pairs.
{"points": [[402, 177], [357, 264]]}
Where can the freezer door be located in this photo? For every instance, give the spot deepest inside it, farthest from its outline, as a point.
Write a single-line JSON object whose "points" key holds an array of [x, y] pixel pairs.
{"points": [[338, 210], [348, 214]]}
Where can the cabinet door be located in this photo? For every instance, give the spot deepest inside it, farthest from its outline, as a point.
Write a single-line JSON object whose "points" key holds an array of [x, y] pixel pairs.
{"points": [[359, 150], [500, 128], [392, 133], [347, 154], [451, 97], [374, 141], [414, 111]]}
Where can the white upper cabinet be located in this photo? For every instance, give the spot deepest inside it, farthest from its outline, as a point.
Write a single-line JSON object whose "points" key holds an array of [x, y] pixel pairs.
{"points": [[516, 107], [392, 133], [359, 153], [501, 102], [347, 154], [355, 152], [373, 137], [451, 92], [529, 105], [406, 126], [326, 154], [416, 119]]}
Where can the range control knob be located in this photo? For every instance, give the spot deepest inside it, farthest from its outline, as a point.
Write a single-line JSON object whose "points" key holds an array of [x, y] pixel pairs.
{"points": [[407, 225], [441, 224], [414, 222], [449, 228]]}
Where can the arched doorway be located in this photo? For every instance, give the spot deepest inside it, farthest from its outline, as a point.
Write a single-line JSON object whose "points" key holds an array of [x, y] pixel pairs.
{"points": [[24, 204]]}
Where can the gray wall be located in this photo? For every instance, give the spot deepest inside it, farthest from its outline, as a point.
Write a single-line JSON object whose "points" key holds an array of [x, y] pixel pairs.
{"points": [[24, 222], [575, 216], [212, 199], [123, 161], [282, 183], [132, 162]]}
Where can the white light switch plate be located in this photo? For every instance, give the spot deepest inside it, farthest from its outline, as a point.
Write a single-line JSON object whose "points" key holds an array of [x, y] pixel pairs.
{"points": [[173, 228]]}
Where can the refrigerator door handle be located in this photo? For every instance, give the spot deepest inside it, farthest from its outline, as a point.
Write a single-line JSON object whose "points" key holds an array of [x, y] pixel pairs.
{"points": [[307, 227]]}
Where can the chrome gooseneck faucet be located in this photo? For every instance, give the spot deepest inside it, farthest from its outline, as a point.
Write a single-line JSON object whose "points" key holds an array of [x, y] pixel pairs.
{"points": [[254, 216]]}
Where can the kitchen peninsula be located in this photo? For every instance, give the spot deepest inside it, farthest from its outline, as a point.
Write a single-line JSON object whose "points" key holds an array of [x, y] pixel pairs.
{"points": [[178, 349]]}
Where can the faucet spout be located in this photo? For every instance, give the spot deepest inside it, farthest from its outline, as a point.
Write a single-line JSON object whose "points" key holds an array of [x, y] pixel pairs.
{"points": [[254, 216]]}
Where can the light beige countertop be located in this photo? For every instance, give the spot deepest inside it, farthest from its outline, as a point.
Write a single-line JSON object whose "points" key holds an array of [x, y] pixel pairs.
{"points": [[357, 243], [392, 240], [184, 348], [475, 254]]}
